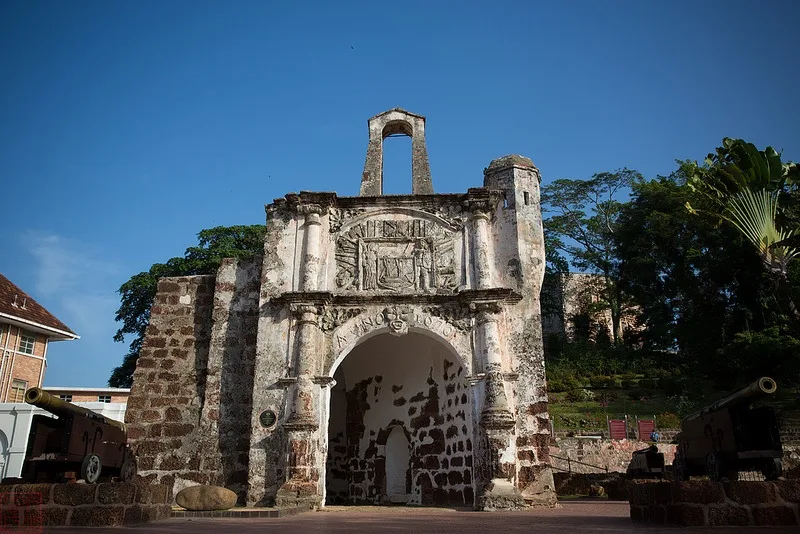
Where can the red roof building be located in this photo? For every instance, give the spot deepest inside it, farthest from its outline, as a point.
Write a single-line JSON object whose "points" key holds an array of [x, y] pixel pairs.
{"points": [[26, 329]]}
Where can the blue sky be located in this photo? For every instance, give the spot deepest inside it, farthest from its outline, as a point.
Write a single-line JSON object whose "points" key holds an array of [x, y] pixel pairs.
{"points": [[127, 127]]}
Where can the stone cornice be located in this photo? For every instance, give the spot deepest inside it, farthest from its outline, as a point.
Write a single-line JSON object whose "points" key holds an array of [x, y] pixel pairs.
{"points": [[468, 296]]}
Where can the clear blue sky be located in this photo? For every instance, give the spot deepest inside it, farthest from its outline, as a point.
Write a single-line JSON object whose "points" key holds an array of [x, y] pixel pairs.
{"points": [[127, 127]]}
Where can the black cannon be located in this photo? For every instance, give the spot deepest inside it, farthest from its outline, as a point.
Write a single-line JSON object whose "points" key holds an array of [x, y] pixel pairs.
{"points": [[80, 443], [646, 463], [729, 436]]}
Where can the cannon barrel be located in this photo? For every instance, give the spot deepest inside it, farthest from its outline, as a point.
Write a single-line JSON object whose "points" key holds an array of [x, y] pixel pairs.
{"points": [[44, 400], [760, 388]]}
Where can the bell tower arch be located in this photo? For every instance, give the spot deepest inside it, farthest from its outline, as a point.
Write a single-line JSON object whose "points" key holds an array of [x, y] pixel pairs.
{"points": [[396, 122]]}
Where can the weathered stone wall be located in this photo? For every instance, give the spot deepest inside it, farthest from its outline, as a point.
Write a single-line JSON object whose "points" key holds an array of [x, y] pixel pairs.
{"points": [[707, 503], [519, 264], [190, 408], [600, 454], [465, 269], [169, 386], [31, 506], [415, 383], [225, 421]]}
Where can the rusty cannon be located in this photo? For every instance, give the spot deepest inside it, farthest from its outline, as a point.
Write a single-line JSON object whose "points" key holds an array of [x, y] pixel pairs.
{"points": [[730, 436], [78, 444]]}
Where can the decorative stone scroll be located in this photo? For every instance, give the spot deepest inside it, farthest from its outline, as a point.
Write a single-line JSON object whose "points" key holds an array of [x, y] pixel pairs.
{"points": [[396, 256], [338, 216], [457, 314], [332, 318], [453, 214]]}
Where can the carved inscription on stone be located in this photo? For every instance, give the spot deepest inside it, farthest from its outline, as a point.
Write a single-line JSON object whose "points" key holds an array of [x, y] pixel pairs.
{"points": [[398, 320], [396, 256]]}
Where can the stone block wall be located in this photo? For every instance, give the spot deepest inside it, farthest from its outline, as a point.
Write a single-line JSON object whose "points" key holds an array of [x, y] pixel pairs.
{"points": [[600, 454], [707, 503], [189, 413], [87, 505], [169, 387]]}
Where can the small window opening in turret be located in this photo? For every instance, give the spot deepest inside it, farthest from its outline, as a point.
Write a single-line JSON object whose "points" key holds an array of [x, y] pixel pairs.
{"points": [[526, 198], [397, 164]]}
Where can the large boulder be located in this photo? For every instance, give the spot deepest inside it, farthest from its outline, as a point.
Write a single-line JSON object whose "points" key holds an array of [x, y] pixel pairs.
{"points": [[200, 498]]}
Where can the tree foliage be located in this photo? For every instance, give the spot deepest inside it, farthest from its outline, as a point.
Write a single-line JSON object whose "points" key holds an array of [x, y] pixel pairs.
{"points": [[137, 294], [745, 187]]}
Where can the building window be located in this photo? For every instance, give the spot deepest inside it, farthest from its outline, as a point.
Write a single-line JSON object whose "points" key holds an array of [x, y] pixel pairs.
{"points": [[104, 398], [18, 388], [67, 398], [26, 342]]}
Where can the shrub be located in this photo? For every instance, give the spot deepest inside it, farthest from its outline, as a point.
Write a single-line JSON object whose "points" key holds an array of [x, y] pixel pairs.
{"points": [[580, 395], [639, 394], [668, 420], [561, 379], [629, 384], [648, 383], [602, 382]]}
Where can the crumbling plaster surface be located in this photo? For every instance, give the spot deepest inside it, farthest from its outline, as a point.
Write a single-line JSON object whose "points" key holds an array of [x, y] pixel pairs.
{"points": [[463, 271], [415, 383]]}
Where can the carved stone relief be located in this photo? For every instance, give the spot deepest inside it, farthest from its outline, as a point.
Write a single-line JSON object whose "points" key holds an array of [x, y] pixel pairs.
{"points": [[397, 320], [338, 216], [458, 315], [332, 318], [396, 256]]}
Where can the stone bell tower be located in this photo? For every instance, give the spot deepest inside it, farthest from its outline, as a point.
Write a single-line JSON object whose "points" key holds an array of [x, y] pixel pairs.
{"points": [[385, 349]]}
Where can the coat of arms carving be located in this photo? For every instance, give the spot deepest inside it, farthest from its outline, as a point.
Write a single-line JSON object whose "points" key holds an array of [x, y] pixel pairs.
{"points": [[396, 256]]}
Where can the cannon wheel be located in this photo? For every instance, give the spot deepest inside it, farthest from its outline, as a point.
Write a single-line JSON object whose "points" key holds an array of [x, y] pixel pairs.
{"points": [[773, 469], [128, 470], [90, 468], [714, 466], [680, 471]]}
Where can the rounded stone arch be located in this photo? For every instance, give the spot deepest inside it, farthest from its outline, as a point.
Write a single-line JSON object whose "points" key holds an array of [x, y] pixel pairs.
{"points": [[400, 126], [464, 358]]}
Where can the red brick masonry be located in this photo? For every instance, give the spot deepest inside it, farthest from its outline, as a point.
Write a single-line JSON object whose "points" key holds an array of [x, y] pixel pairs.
{"points": [[90, 505], [707, 503]]}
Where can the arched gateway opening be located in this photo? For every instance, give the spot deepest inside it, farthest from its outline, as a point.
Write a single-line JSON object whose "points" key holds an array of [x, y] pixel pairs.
{"points": [[400, 426]]}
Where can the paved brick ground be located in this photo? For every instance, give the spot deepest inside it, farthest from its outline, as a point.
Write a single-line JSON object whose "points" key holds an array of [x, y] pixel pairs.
{"points": [[575, 516]]}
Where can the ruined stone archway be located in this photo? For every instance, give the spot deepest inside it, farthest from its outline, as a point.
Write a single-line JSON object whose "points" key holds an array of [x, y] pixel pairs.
{"points": [[411, 382]]}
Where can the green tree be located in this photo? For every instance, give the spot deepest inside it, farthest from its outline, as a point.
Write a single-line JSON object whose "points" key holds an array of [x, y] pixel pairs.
{"points": [[749, 188], [697, 283], [582, 221], [137, 294]]}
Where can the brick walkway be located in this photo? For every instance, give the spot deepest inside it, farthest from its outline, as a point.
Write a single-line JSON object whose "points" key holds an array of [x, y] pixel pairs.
{"points": [[574, 516]]}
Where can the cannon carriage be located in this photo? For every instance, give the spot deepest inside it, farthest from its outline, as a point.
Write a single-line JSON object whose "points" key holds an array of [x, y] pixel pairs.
{"points": [[79, 443], [729, 436]]}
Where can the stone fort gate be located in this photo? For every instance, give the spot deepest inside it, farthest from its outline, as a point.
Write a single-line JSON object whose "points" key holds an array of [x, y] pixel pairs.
{"points": [[383, 349]]}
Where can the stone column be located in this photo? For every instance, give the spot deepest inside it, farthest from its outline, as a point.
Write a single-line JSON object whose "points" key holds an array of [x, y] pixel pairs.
{"points": [[496, 412], [481, 247], [301, 487], [303, 409], [311, 245]]}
